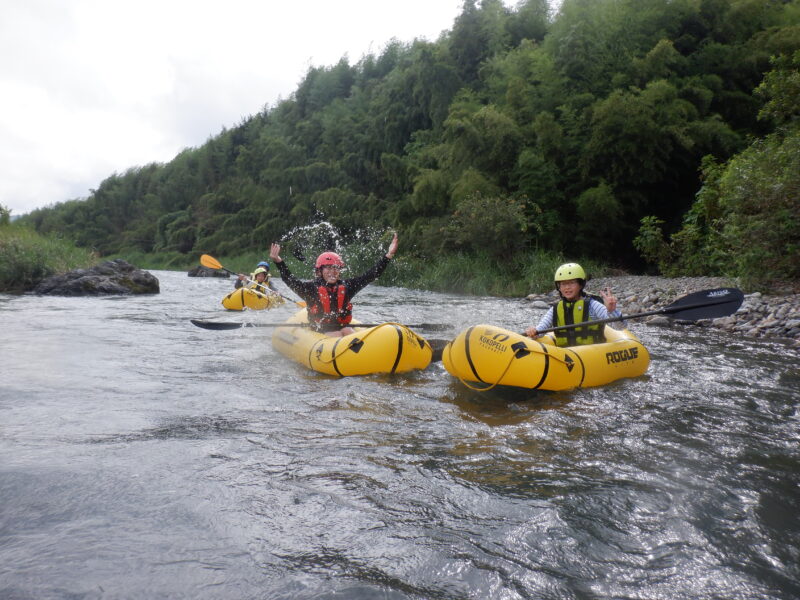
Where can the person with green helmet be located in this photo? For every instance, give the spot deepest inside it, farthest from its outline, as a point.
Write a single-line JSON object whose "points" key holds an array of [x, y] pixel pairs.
{"points": [[576, 306], [259, 279]]}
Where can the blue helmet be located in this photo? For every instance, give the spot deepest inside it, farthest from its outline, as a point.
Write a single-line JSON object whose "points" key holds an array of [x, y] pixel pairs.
{"points": [[264, 264]]}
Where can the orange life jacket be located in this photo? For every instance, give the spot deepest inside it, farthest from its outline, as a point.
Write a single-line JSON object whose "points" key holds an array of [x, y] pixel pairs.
{"points": [[323, 313]]}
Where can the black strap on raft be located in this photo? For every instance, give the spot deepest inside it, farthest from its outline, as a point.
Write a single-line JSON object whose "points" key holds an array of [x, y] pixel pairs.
{"points": [[520, 349]]}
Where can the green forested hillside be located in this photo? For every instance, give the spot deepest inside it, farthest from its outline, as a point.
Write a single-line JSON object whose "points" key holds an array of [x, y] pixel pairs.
{"points": [[517, 129]]}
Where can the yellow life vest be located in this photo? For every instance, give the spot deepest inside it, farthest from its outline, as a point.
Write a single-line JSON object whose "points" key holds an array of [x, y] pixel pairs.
{"points": [[567, 313], [259, 287]]}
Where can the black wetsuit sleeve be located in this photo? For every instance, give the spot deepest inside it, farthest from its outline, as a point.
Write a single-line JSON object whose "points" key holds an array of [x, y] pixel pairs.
{"points": [[238, 283], [307, 290], [356, 284]]}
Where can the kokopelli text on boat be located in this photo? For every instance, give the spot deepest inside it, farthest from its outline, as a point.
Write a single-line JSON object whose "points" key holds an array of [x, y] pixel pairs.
{"points": [[494, 344]]}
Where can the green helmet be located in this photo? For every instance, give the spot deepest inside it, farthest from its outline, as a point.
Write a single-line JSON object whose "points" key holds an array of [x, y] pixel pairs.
{"points": [[260, 270], [569, 271]]}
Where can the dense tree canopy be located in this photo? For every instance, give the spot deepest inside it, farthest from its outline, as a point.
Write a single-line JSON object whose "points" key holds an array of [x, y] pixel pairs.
{"points": [[555, 129]]}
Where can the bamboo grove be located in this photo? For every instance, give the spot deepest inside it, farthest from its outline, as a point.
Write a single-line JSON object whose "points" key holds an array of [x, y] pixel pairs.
{"points": [[607, 129]]}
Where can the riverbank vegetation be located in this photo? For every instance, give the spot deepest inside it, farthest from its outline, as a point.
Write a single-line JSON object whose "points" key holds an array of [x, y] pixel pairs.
{"points": [[461, 273], [657, 134], [27, 257], [746, 219]]}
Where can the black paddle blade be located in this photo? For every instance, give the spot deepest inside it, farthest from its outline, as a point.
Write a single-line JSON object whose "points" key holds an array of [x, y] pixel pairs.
{"points": [[216, 324], [707, 304]]}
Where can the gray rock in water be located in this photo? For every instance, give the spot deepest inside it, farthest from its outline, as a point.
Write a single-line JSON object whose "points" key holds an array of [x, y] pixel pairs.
{"points": [[201, 271], [111, 277], [660, 321]]}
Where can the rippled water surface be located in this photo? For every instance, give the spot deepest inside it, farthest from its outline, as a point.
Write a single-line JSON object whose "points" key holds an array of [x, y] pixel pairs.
{"points": [[142, 457]]}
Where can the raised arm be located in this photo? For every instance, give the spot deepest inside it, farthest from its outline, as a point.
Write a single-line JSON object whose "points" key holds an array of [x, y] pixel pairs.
{"points": [[392, 247], [275, 252]]}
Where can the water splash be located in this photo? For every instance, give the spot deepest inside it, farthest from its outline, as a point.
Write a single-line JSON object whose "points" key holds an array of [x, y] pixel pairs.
{"points": [[359, 249]]}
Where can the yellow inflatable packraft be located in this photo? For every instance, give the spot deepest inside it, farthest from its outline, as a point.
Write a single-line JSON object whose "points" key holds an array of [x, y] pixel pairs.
{"points": [[386, 348], [247, 298], [486, 356]]}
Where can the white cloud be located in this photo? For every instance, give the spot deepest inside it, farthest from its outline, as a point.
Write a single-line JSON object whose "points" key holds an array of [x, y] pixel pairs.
{"points": [[92, 87]]}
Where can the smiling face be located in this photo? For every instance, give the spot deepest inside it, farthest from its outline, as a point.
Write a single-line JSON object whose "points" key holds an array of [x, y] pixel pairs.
{"points": [[570, 289], [330, 273]]}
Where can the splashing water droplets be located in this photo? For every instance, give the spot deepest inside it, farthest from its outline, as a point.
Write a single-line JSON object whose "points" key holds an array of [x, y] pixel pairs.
{"points": [[359, 248]]}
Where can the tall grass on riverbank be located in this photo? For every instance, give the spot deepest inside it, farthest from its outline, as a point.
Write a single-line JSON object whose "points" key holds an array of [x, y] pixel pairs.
{"points": [[479, 275], [27, 257], [486, 276]]}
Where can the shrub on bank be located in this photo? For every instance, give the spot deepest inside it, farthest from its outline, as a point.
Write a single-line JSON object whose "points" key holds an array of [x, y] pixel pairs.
{"points": [[745, 222], [27, 257], [480, 274]]}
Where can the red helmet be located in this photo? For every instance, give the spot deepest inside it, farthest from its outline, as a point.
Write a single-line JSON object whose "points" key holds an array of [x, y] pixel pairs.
{"points": [[329, 259]]}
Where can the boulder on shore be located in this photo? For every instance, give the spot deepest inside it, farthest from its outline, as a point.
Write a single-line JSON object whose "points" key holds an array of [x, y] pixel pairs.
{"points": [[111, 277]]}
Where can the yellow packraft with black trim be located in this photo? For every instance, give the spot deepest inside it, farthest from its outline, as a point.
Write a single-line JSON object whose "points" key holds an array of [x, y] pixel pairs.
{"points": [[245, 297], [385, 348], [485, 356]]}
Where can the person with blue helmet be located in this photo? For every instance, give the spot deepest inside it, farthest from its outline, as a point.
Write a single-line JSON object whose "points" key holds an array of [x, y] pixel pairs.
{"points": [[259, 278]]}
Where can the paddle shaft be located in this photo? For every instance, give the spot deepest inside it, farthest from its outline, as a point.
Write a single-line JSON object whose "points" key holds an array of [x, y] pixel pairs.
{"points": [[299, 303], [246, 278], [667, 310]]}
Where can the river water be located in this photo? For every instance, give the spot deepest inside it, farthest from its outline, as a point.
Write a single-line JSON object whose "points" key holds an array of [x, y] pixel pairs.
{"points": [[142, 457]]}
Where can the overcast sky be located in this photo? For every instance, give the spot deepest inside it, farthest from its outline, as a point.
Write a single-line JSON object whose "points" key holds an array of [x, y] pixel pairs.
{"points": [[93, 87]]}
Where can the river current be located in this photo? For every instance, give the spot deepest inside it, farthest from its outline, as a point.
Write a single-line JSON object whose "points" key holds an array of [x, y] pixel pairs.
{"points": [[143, 457]]}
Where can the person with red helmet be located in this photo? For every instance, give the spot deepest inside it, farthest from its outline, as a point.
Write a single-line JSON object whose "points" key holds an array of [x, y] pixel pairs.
{"points": [[328, 296]]}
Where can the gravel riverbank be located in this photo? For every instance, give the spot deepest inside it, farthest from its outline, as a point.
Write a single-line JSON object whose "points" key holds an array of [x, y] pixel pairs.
{"points": [[760, 315]]}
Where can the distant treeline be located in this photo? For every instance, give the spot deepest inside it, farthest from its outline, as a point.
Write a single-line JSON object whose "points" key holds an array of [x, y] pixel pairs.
{"points": [[599, 131]]}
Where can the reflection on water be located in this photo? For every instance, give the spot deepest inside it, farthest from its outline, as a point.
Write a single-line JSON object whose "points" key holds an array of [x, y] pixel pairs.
{"points": [[144, 457]]}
